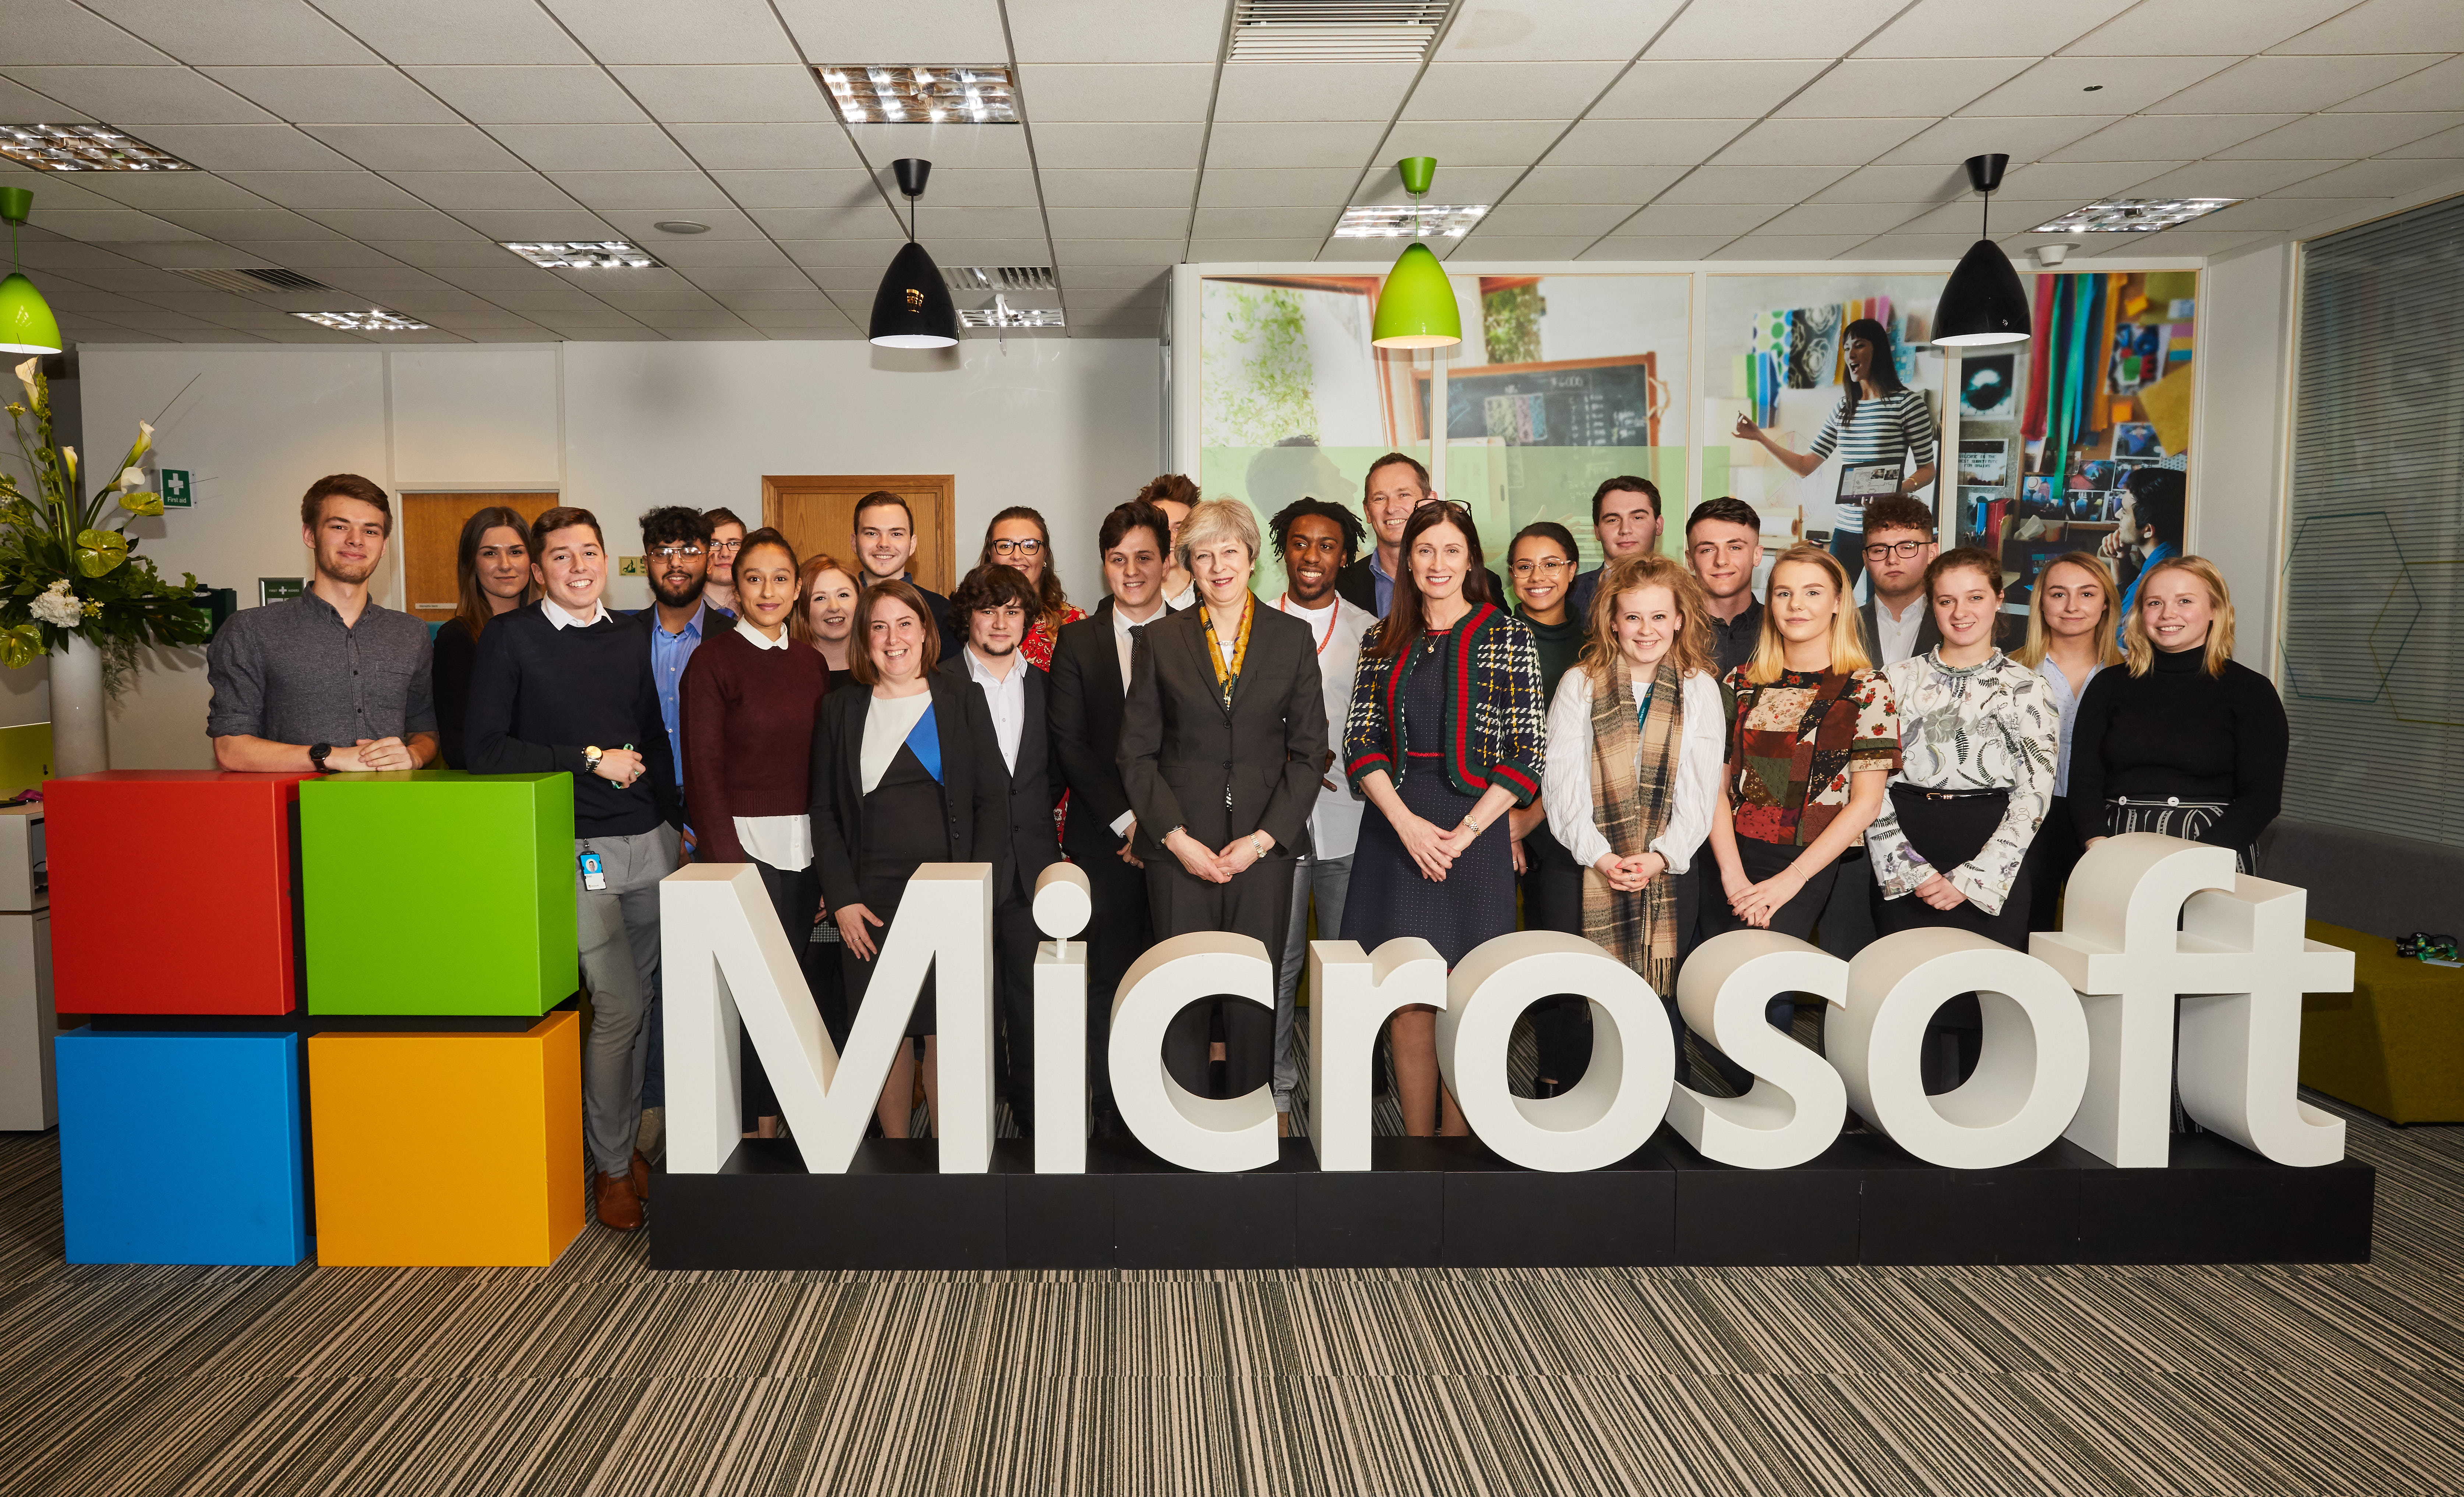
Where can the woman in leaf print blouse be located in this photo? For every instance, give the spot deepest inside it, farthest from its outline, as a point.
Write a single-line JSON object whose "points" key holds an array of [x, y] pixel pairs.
{"points": [[1979, 737], [1813, 735]]}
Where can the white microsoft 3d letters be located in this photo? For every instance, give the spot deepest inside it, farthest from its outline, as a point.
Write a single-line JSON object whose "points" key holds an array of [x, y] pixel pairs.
{"points": [[2079, 1036]]}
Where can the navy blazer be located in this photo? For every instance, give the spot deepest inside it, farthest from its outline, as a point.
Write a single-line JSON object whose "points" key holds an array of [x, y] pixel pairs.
{"points": [[1034, 780], [975, 786]]}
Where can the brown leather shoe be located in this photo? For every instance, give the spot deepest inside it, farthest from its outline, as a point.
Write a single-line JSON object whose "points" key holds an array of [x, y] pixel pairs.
{"points": [[618, 1206], [641, 1174]]}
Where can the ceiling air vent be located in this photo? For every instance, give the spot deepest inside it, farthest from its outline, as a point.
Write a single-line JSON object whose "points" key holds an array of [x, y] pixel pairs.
{"points": [[1335, 31], [998, 277], [253, 280]]}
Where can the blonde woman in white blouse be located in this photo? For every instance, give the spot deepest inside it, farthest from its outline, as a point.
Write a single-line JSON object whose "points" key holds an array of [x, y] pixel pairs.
{"points": [[1979, 735], [1637, 736]]}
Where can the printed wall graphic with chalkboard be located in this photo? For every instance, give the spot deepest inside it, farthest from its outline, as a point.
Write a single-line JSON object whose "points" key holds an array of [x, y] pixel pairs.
{"points": [[1560, 381]]}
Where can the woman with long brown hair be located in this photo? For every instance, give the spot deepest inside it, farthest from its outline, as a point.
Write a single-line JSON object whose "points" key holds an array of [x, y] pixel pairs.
{"points": [[2073, 626], [1018, 537], [827, 590], [1447, 732], [491, 564]]}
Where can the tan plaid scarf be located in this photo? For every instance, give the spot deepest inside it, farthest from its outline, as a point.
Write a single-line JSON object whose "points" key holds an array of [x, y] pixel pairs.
{"points": [[1633, 780]]}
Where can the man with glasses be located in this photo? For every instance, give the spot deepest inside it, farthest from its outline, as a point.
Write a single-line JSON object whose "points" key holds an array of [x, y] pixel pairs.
{"points": [[676, 543], [1899, 546], [725, 538], [1625, 519], [1723, 546]]}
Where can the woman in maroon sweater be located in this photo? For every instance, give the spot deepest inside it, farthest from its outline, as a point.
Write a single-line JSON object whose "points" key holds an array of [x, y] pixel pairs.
{"points": [[749, 701]]}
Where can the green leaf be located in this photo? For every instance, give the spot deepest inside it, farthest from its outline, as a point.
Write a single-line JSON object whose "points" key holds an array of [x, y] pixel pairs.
{"points": [[144, 502], [21, 646], [100, 551]]}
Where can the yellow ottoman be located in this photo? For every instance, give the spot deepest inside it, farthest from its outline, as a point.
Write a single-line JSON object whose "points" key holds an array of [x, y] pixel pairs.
{"points": [[2394, 1046]]}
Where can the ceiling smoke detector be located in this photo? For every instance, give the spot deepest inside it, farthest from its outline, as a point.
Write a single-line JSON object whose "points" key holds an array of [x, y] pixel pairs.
{"points": [[880, 94], [1335, 31], [680, 226], [375, 320], [2133, 215], [84, 147]]}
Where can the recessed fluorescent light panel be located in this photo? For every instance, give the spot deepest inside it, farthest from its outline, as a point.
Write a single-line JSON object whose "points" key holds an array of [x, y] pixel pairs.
{"points": [[84, 147], [2133, 215], [375, 320], [585, 255], [1001, 314], [868, 94], [1403, 221]]}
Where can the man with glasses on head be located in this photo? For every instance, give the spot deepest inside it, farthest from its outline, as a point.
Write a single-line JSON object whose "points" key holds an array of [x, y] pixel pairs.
{"points": [[1625, 519], [1899, 546], [722, 540], [1723, 546]]}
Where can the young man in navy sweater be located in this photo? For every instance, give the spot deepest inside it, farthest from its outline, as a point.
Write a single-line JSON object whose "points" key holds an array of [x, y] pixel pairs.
{"points": [[565, 685]]}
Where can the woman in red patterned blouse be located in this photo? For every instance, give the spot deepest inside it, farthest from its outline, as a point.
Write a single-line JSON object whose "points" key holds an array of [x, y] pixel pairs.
{"points": [[1018, 537]]}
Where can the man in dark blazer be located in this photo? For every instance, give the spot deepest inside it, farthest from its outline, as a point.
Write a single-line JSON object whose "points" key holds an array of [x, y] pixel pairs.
{"points": [[1397, 485], [1090, 677], [1223, 788], [1899, 546], [994, 604]]}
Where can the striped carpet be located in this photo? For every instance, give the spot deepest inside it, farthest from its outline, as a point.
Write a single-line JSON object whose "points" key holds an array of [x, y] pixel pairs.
{"points": [[598, 1375]]}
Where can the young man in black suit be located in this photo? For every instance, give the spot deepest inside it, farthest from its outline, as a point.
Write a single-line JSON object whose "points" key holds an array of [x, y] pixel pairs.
{"points": [[997, 603], [1090, 679], [1898, 617]]}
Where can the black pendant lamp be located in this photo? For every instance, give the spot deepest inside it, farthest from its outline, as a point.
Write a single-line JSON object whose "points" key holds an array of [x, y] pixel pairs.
{"points": [[1984, 303], [913, 308]]}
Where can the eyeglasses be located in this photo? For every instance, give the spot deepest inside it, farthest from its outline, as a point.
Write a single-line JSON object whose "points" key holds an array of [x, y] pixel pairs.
{"points": [[1026, 547], [1550, 568], [1883, 551], [671, 553], [726, 547]]}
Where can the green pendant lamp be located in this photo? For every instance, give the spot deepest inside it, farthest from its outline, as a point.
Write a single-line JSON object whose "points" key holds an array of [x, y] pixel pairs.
{"points": [[27, 325], [1415, 307]]}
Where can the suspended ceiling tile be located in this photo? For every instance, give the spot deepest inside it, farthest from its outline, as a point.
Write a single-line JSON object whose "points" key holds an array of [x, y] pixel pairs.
{"points": [[966, 187], [273, 31], [461, 192], [312, 254], [1470, 142], [1093, 302], [1115, 251], [628, 332], [2234, 26], [1989, 28], [1115, 147], [530, 94], [1384, 184], [1913, 184], [2122, 83], [1484, 247], [550, 302], [2083, 181], [1149, 188], [1243, 189], [2261, 85], [246, 223], [756, 191], [418, 147], [794, 319], [374, 95], [1313, 224], [1279, 147], [1108, 30], [391, 223], [653, 30], [1532, 31], [802, 299], [107, 224], [512, 274], [2228, 179], [2277, 214], [725, 226], [594, 147], [2385, 177], [246, 147], [1753, 184], [1906, 245], [1644, 142], [2384, 25], [757, 94], [718, 279], [1055, 93], [952, 145], [1863, 219], [56, 30], [1654, 247], [522, 226], [2437, 87], [852, 253], [1126, 277], [1695, 220], [1301, 91], [1363, 255], [395, 281], [156, 191], [1966, 217], [1813, 142], [1827, 27], [765, 147], [1786, 246], [684, 192], [1129, 223], [2344, 137], [489, 32], [1714, 90], [2023, 138], [1551, 220], [856, 221], [947, 32], [2149, 137], [20, 103], [1900, 86], [2447, 143], [58, 192], [470, 249], [1504, 90], [1617, 184], [2174, 241], [133, 97], [184, 254]]}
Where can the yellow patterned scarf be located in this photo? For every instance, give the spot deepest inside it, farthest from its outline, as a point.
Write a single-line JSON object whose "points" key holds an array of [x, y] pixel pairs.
{"points": [[1227, 678]]}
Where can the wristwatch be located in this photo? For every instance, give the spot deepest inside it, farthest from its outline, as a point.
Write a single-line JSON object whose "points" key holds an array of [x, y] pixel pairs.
{"points": [[317, 753], [590, 758]]}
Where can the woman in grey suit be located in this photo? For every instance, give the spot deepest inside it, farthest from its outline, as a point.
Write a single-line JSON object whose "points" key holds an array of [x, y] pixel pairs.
{"points": [[1222, 742]]}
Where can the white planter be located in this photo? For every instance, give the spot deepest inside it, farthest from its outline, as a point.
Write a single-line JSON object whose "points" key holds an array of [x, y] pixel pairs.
{"points": [[80, 740]]}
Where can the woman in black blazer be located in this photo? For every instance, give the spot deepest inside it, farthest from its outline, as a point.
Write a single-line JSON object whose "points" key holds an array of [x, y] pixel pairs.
{"points": [[1222, 742], [904, 774]]}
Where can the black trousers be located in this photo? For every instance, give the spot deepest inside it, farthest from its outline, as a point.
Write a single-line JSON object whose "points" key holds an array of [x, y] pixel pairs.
{"points": [[794, 896], [2051, 858], [1014, 941], [1762, 859], [1553, 900], [1948, 830], [1116, 932], [1258, 903]]}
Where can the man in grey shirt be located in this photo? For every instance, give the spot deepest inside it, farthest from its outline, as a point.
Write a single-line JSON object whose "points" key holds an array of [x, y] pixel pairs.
{"points": [[326, 680]]}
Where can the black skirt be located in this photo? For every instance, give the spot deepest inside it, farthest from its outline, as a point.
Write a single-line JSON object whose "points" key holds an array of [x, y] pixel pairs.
{"points": [[906, 825], [1946, 830]]}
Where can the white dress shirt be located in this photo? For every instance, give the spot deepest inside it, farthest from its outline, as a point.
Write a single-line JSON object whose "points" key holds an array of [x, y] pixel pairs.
{"points": [[1006, 696], [1122, 624], [558, 618], [783, 842], [1899, 636], [887, 722], [1566, 782], [1334, 821]]}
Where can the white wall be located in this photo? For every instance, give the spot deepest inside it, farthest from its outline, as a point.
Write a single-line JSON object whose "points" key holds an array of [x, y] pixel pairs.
{"points": [[1068, 426], [2238, 456]]}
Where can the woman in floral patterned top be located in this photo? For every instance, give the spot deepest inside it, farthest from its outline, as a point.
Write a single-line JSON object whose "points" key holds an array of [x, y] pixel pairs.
{"points": [[1813, 735], [1018, 537]]}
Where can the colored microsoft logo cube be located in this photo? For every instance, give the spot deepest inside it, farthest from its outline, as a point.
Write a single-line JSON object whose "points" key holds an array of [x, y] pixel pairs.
{"points": [[435, 892]]}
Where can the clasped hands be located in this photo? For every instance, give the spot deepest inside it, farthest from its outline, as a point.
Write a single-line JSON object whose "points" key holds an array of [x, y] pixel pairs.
{"points": [[621, 767], [373, 754], [1629, 875], [1215, 866], [1435, 851]]}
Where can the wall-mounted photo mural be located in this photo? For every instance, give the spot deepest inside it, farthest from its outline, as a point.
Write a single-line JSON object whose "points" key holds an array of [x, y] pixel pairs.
{"points": [[1560, 380]]}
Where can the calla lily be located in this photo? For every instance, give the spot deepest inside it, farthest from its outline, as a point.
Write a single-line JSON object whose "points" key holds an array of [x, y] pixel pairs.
{"points": [[144, 440], [145, 501], [20, 647], [68, 460], [130, 478], [27, 373], [100, 551]]}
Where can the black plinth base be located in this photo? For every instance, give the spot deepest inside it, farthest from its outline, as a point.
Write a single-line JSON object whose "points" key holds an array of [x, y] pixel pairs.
{"points": [[1451, 1203]]}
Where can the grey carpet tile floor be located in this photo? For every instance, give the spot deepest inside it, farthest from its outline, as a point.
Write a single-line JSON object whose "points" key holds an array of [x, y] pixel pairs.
{"points": [[599, 1375]]}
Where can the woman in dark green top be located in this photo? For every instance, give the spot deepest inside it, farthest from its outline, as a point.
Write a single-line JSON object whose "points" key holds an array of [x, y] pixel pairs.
{"points": [[1541, 562]]}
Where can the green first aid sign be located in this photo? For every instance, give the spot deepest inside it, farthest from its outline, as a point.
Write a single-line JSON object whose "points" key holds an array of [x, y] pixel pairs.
{"points": [[176, 492]]}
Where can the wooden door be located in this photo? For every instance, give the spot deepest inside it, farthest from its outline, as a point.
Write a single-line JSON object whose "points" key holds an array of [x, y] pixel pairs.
{"points": [[430, 529], [816, 512]]}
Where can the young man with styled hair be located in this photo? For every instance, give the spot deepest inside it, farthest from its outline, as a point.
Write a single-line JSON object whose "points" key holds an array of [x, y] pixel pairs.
{"points": [[676, 546], [885, 546], [327, 680], [1897, 618], [1625, 519], [1091, 682], [1176, 496], [999, 606], [725, 538], [566, 686], [1723, 546]]}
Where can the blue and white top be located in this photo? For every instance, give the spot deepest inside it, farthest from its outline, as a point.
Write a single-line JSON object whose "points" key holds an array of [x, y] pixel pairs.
{"points": [[2066, 702], [1894, 428]]}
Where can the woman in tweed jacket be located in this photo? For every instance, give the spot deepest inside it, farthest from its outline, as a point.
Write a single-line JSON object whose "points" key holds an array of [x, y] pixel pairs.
{"points": [[1447, 732]]}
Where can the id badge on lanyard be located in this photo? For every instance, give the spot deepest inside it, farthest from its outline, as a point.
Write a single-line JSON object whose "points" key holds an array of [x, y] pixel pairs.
{"points": [[594, 873]]}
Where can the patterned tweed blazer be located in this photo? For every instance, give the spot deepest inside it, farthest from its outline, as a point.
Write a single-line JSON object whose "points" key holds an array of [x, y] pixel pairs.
{"points": [[1496, 725]]}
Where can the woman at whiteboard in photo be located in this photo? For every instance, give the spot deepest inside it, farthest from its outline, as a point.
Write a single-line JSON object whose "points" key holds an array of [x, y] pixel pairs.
{"points": [[1878, 420]]}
